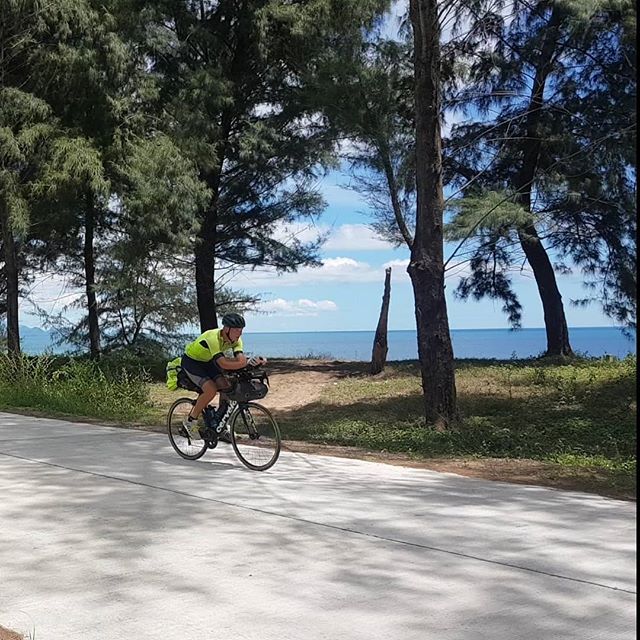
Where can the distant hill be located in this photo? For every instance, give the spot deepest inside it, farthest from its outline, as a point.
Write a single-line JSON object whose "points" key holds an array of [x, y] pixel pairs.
{"points": [[34, 340]]}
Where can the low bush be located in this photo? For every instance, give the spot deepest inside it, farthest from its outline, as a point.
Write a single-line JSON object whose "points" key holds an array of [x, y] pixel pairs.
{"points": [[69, 386]]}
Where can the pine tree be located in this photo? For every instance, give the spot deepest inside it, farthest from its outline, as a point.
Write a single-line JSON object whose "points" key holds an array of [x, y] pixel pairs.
{"points": [[125, 190], [97, 68], [373, 99], [232, 78], [538, 152], [590, 194], [41, 157], [426, 266], [28, 136]]}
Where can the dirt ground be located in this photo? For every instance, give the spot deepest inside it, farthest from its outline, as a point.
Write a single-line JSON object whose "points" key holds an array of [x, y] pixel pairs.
{"points": [[7, 634], [295, 383]]}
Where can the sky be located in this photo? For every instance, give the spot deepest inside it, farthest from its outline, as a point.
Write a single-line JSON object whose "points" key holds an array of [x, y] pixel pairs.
{"points": [[345, 293]]}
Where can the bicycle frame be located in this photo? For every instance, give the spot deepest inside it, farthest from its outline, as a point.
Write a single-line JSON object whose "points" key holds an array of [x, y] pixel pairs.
{"points": [[238, 405], [214, 427]]}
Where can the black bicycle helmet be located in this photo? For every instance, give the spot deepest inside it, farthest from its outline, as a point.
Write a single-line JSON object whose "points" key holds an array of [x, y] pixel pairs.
{"points": [[233, 320]]}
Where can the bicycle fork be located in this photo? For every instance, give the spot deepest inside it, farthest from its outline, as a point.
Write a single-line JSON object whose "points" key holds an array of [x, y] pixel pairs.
{"points": [[249, 423]]}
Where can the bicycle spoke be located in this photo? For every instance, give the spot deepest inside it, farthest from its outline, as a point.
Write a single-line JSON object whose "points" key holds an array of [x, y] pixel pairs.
{"points": [[185, 445], [255, 436]]}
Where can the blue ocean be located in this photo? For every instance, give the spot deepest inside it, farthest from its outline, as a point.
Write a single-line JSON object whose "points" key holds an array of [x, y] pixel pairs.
{"points": [[357, 345], [467, 343]]}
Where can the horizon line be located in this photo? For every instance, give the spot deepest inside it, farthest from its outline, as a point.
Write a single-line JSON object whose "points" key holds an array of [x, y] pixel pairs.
{"points": [[412, 329], [451, 329]]}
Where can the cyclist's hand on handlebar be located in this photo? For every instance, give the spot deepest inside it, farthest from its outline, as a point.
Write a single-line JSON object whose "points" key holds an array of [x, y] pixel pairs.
{"points": [[256, 361]]}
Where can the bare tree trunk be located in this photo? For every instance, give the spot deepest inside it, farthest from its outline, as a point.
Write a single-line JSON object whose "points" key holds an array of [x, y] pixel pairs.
{"points": [[205, 273], [426, 268], [555, 321], [11, 272], [380, 347], [554, 317], [90, 281], [206, 248]]}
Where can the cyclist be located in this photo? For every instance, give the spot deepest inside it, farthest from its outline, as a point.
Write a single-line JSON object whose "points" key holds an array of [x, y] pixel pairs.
{"points": [[204, 361]]}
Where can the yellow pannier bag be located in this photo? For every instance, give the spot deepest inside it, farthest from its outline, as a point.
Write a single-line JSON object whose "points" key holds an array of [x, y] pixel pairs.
{"points": [[172, 373]]}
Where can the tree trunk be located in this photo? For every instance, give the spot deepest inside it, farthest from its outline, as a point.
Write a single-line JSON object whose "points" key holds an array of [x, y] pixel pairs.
{"points": [[555, 321], [11, 271], [90, 281], [380, 347], [205, 275], [426, 268], [206, 248], [554, 317], [206, 245]]}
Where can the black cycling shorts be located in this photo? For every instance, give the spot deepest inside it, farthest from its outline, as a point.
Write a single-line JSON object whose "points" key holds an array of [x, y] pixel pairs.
{"points": [[199, 372]]}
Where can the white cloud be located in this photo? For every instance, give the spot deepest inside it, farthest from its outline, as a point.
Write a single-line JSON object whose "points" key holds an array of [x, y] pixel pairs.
{"points": [[302, 307], [397, 265], [340, 196], [345, 237], [391, 26], [348, 147], [451, 118], [266, 109], [355, 237], [334, 271], [307, 125], [301, 231]]}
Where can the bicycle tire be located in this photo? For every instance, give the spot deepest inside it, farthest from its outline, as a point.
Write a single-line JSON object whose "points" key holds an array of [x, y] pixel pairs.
{"points": [[174, 426], [266, 444]]}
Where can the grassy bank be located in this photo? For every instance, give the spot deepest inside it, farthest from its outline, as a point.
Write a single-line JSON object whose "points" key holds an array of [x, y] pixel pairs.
{"points": [[586, 409], [577, 417], [73, 387]]}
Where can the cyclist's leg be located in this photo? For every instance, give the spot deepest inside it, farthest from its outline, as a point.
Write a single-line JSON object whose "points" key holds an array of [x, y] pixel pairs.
{"points": [[222, 385], [210, 378], [201, 376], [209, 391], [217, 374]]}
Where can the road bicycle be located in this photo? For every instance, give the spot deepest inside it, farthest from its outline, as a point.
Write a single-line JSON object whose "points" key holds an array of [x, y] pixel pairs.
{"points": [[251, 429]]}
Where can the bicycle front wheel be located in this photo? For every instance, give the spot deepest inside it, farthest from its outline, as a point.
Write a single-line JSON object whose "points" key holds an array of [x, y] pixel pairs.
{"points": [[185, 445], [255, 436]]}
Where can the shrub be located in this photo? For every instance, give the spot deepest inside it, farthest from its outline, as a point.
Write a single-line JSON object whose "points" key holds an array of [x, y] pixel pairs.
{"points": [[79, 387]]}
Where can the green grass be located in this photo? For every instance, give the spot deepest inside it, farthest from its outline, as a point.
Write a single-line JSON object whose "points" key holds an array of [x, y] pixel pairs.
{"points": [[578, 414], [72, 387]]}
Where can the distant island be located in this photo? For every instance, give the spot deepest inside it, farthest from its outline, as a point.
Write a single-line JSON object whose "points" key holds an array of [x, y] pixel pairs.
{"points": [[35, 341]]}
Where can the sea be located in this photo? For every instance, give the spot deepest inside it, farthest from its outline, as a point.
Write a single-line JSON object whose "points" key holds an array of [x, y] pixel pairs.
{"points": [[500, 344], [467, 343]]}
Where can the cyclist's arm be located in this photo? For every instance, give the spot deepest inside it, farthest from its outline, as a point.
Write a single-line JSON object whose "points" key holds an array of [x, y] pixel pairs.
{"points": [[239, 361]]}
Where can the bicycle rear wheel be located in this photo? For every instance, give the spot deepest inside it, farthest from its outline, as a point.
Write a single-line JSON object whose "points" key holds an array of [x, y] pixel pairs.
{"points": [[255, 436], [184, 445]]}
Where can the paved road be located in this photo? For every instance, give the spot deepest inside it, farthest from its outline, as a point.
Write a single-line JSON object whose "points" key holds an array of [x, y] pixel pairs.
{"points": [[106, 534]]}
